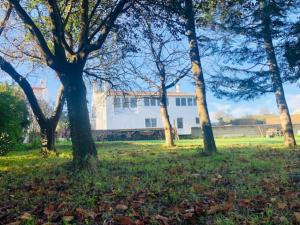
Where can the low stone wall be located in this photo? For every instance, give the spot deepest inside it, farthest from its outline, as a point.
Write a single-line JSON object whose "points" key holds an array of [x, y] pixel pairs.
{"points": [[128, 135], [241, 130]]}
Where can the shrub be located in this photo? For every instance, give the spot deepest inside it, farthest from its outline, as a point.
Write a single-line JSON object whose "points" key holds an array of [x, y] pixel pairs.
{"points": [[13, 118], [5, 143]]}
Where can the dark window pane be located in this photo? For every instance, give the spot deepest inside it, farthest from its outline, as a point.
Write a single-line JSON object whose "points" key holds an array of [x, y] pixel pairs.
{"points": [[147, 123], [133, 102], [197, 120], [190, 102], [146, 101], [183, 101], [126, 102], [153, 122], [195, 101], [153, 101], [177, 101], [179, 123], [117, 102]]}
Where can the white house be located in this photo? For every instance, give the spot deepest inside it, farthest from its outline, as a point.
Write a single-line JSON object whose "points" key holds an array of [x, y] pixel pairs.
{"points": [[116, 111]]}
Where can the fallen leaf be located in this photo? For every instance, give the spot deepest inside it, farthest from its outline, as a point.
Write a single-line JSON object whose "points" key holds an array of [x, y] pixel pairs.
{"points": [[245, 202], [135, 213], [164, 220], [68, 218], [121, 207], [188, 215], [281, 205], [227, 206], [85, 214], [49, 210], [139, 222], [26, 216], [297, 216], [213, 209], [18, 222], [124, 220]]}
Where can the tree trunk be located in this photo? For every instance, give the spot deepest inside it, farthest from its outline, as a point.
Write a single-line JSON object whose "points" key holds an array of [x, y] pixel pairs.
{"points": [[48, 138], [84, 149], [208, 137], [166, 119], [285, 118]]}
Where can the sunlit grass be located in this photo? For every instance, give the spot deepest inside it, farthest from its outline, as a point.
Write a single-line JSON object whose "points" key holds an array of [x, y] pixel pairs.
{"points": [[172, 176]]}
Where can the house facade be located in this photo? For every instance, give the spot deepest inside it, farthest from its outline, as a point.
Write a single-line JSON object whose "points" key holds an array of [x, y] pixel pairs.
{"points": [[118, 111]]}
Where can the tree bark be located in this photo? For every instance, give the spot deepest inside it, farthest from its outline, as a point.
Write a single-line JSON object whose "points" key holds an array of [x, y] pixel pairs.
{"points": [[166, 119], [84, 149], [208, 137], [285, 118], [48, 138]]}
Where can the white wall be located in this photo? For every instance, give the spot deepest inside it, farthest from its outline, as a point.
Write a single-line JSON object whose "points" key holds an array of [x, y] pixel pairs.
{"points": [[134, 118]]}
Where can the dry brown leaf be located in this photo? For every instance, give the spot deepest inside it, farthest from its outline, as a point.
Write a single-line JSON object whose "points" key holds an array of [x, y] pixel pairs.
{"points": [[281, 205], [49, 210], [164, 220], [139, 222], [213, 209], [188, 215], [135, 213], [245, 202], [121, 207], [124, 220], [227, 206], [297, 216], [85, 214], [26, 216], [18, 222], [68, 218]]}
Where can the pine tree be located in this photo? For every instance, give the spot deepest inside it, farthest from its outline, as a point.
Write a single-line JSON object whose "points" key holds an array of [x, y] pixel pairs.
{"points": [[250, 52]]}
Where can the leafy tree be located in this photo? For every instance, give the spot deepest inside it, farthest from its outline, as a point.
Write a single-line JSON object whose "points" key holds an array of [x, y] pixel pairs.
{"points": [[252, 35], [13, 117], [292, 51], [67, 34], [46, 123]]}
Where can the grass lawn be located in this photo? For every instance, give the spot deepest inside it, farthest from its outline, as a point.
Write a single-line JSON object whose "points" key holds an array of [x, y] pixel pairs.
{"points": [[140, 182]]}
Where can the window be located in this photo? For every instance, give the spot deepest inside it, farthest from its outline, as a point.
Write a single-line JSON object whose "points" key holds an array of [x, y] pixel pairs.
{"points": [[195, 101], [153, 101], [179, 123], [190, 102], [183, 101], [125, 102], [133, 102], [147, 101], [117, 102], [150, 122], [177, 101], [197, 120]]}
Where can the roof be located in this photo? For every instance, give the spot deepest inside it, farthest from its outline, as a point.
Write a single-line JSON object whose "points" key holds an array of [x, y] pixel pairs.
{"points": [[149, 93]]}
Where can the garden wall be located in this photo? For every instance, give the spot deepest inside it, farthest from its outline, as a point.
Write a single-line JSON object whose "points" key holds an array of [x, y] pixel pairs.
{"points": [[128, 135], [242, 130]]}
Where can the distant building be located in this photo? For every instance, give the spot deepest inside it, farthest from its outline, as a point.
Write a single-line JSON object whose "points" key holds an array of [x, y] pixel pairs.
{"points": [[40, 91], [275, 120], [118, 111]]}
